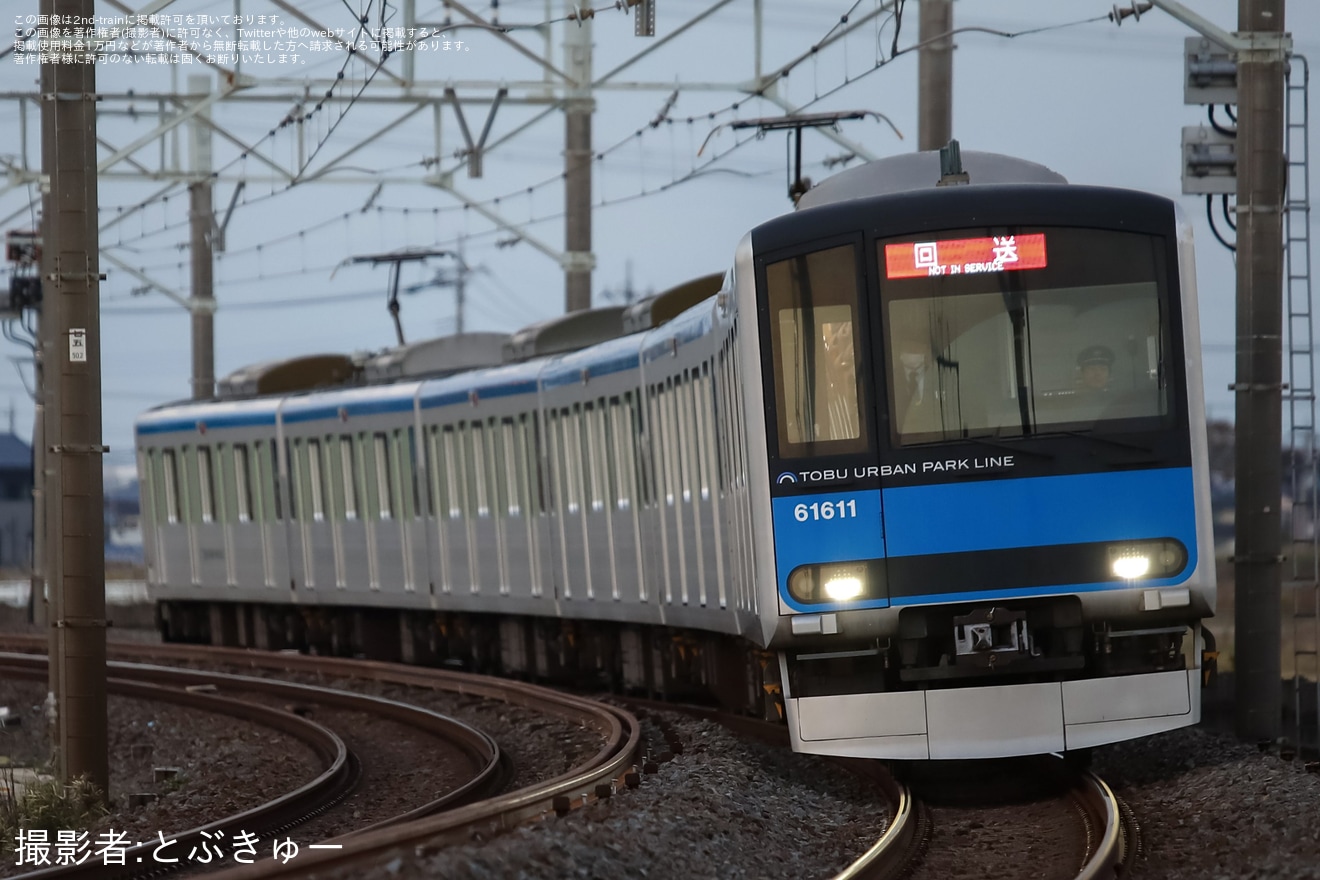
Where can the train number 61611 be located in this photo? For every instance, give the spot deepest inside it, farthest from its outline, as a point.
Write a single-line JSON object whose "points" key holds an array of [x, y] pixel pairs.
{"points": [[825, 510]]}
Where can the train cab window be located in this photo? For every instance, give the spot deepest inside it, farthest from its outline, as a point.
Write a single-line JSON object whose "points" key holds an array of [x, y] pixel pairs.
{"points": [[1075, 337], [813, 301]]}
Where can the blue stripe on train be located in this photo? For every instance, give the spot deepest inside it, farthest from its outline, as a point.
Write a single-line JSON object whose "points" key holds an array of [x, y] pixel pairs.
{"points": [[990, 515], [1036, 511]]}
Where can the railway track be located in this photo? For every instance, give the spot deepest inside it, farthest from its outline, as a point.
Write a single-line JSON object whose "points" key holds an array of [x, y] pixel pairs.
{"points": [[610, 767], [1037, 816], [342, 773], [904, 835]]}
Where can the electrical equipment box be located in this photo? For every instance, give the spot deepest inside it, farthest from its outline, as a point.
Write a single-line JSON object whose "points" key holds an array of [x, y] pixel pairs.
{"points": [[1209, 73], [1209, 161]]}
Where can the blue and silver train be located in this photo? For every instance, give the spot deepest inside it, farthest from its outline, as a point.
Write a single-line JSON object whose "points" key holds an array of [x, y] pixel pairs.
{"points": [[924, 475]]}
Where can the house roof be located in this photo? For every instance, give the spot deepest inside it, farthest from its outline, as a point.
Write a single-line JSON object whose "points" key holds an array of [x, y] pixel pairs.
{"points": [[15, 454]]}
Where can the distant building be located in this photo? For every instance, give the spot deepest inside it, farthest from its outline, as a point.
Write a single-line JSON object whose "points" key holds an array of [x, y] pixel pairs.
{"points": [[15, 502]]}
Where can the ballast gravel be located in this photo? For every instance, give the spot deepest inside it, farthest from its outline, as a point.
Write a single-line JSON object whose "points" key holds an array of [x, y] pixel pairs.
{"points": [[726, 807]]}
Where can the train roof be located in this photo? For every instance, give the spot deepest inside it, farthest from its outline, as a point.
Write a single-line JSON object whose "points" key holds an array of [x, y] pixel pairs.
{"points": [[301, 373], [565, 333], [960, 207], [912, 171], [599, 360], [429, 357], [656, 310]]}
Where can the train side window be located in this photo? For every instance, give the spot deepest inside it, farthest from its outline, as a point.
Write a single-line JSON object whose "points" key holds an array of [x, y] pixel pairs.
{"points": [[468, 453], [224, 484], [600, 431], [619, 426], [333, 478], [531, 428], [170, 485], [146, 466], [348, 474], [298, 505], [619, 457], [497, 502], [242, 485], [593, 454], [274, 493], [670, 433], [188, 491], [705, 427], [454, 473], [692, 436], [571, 445], [314, 480], [659, 459], [723, 416], [384, 497], [554, 464], [404, 474], [511, 467], [813, 301], [261, 506], [480, 470]]}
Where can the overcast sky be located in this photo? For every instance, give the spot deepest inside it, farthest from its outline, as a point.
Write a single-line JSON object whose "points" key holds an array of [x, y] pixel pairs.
{"points": [[1098, 103]]}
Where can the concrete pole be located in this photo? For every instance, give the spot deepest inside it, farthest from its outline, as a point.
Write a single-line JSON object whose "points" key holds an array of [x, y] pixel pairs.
{"points": [[201, 216], [37, 602], [578, 107], [460, 290], [72, 370], [1258, 430], [935, 75]]}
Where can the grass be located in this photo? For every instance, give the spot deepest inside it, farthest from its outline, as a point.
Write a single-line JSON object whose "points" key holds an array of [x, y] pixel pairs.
{"points": [[46, 803]]}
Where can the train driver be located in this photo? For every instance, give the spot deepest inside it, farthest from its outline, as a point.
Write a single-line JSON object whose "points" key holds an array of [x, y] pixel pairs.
{"points": [[916, 404], [1095, 363]]}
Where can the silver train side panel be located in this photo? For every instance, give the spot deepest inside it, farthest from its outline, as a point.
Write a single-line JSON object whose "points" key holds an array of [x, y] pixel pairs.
{"points": [[762, 550]]}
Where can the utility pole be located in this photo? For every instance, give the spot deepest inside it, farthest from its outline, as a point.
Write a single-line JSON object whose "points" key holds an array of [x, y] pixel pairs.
{"points": [[460, 290], [71, 351], [578, 107], [935, 75], [1260, 194], [201, 216]]}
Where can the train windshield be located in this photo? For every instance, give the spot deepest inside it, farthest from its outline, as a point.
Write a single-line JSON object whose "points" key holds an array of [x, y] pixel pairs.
{"points": [[813, 301], [1002, 333]]}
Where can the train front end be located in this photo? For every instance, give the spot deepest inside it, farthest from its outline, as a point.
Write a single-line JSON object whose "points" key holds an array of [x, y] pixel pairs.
{"points": [[986, 504]]}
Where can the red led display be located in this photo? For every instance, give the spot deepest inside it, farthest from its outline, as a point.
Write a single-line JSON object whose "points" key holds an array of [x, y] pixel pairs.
{"points": [[965, 256]]}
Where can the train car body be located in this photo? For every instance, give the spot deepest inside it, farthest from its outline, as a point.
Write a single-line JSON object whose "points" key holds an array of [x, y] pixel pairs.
{"points": [[926, 477]]}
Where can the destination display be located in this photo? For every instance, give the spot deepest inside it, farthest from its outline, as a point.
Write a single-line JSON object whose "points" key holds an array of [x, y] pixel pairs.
{"points": [[965, 256]]}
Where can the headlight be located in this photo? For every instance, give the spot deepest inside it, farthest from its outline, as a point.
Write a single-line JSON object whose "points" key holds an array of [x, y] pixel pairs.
{"points": [[1147, 559], [1131, 567], [837, 581]]}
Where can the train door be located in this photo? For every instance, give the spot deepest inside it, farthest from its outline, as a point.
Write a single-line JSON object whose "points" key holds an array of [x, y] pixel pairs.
{"points": [[823, 426]]}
